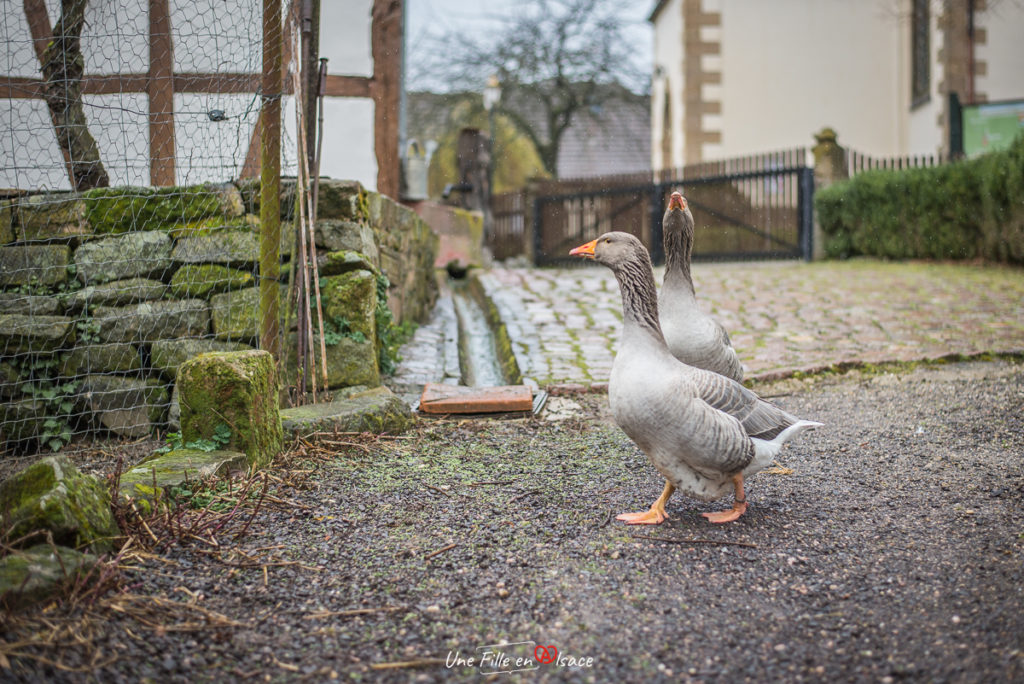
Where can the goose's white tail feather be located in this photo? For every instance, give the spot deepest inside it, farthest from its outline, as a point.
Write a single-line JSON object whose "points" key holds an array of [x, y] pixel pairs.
{"points": [[765, 451]]}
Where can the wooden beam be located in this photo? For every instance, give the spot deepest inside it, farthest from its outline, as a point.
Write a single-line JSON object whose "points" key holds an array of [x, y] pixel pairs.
{"points": [[348, 86], [386, 49], [161, 95], [21, 88], [38, 25]]}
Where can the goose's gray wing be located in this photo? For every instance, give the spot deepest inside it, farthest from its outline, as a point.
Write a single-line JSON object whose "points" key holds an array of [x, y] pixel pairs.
{"points": [[759, 418]]}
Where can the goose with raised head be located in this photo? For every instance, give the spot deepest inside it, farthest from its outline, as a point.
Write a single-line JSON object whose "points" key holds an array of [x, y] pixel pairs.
{"points": [[701, 430], [693, 337]]}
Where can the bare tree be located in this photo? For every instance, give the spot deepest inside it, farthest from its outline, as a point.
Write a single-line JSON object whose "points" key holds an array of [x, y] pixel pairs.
{"points": [[555, 60], [63, 67]]}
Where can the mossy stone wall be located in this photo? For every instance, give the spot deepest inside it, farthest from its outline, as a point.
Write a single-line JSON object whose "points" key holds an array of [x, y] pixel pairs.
{"points": [[127, 283]]}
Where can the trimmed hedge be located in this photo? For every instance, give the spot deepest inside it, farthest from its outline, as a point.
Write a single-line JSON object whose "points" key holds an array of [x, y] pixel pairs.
{"points": [[961, 210]]}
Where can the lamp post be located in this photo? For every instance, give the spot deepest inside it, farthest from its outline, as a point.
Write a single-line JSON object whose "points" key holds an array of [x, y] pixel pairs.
{"points": [[491, 96]]}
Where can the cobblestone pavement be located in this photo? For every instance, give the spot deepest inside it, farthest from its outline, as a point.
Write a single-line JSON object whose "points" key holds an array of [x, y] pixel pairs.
{"points": [[782, 316]]}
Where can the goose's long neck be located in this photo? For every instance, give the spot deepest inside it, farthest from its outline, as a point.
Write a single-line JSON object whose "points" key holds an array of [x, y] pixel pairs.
{"points": [[639, 296], [678, 242]]}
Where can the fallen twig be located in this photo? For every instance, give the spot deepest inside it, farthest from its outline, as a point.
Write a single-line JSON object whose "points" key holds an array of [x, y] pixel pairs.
{"points": [[607, 519], [439, 551], [522, 496], [490, 482], [438, 490], [694, 541], [350, 613]]}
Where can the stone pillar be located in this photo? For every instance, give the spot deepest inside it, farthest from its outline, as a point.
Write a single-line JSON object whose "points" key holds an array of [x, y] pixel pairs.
{"points": [[235, 389], [829, 168]]}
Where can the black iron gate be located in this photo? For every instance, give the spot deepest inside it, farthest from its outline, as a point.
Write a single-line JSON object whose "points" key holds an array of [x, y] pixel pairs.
{"points": [[757, 214]]}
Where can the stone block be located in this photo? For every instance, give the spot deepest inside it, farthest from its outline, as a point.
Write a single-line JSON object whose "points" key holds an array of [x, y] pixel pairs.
{"points": [[51, 494], [10, 381], [115, 357], [228, 247], [166, 355], [116, 293], [21, 421], [336, 263], [239, 389], [34, 265], [351, 297], [130, 209], [6, 224], [51, 217], [21, 332], [349, 362], [377, 410], [235, 314], [178, 467], [140, 254], [126, 406], [339, 200], [151, 321], [200, 280], [337, 235], [32, 305], [39, 573]]}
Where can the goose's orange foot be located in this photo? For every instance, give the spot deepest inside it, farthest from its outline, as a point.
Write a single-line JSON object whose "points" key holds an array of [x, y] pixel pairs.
{"points": [[655, 516], [733, 513]]}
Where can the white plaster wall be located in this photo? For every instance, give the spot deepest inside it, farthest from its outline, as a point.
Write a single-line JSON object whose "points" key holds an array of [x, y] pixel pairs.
{"points": [[348, 147], [345, 36], [29, 156], [18, 57], [208, 150], [115, 38], [791, 67], [217, 36], [1003, 51], [120, 125], [668, 54]]}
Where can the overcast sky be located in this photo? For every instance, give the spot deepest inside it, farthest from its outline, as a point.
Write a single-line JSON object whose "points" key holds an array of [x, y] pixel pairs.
{"points": [[426, 17]]}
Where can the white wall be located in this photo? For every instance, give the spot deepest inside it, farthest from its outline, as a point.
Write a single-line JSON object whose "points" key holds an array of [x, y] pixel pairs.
{"points": [[790, 67], [668, 54], [1003, 51]]}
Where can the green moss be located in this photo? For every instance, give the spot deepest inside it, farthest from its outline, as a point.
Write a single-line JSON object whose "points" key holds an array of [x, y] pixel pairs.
{"points": [[123, 209], [38, 573], [53, 495], [211, 225], [200, 280], [236, 388]]}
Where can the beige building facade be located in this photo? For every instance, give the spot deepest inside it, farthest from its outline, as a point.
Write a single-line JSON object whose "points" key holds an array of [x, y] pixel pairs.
{"points": [[738, 77]]}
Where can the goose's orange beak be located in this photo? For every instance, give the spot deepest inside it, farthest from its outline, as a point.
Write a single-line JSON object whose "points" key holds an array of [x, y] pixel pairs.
{"points": [[586, 250], [676, 201]]}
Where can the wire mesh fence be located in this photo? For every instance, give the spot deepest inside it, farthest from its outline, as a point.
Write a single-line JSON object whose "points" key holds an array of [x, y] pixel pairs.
{"points": [[129, 216]]}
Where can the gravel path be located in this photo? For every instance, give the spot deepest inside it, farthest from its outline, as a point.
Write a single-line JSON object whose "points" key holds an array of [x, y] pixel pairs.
{"points": [[891, 552]]}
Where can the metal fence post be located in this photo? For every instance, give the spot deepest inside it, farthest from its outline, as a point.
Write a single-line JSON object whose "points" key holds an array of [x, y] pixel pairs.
{"points": [[657, 236], [805, 200]]}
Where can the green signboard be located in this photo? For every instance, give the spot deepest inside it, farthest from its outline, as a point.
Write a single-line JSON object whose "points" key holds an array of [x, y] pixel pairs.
{"points": [[991, 126]]}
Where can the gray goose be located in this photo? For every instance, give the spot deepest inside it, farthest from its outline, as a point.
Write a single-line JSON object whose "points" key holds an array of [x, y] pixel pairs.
{"points": [[702, 431], [692, 336]]}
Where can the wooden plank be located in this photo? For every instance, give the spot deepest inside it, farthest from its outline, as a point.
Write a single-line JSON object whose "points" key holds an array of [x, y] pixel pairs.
{"points": [[386, 50], [438, 398], [39, 26], [161, 95], [348, 86]]}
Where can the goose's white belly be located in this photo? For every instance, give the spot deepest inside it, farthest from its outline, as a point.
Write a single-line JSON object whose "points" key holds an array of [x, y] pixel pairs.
{"points": [[661, 428]]}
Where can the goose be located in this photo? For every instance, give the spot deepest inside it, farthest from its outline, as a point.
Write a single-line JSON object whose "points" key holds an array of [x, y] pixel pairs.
{"points": [[692, 336], [702, 431]]}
